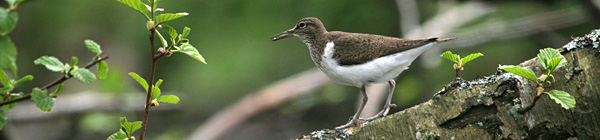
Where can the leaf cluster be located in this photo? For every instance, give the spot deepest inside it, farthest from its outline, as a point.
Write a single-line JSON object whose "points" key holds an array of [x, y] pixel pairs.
{"points": [[551, 60], [155, 95], [126, 131], [179, 42], [459, 62]]}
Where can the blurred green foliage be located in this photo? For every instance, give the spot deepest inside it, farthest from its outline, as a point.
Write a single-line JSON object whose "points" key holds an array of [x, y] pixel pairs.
{"points": [[234, 35]]}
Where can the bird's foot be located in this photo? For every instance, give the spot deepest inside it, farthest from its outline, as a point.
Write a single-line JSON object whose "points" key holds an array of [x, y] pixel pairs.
{"points": [[352, 122], [381, 113]]}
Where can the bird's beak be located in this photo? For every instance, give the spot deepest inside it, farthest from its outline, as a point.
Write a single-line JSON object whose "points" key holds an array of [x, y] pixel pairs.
{"points": [[283, 35]]}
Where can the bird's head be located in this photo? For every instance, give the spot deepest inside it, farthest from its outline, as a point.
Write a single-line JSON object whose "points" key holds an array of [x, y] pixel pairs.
{"points": [[305, 28]]}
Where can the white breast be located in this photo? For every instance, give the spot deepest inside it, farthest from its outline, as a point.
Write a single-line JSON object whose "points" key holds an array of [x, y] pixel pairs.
{"points": [[378, 70]]}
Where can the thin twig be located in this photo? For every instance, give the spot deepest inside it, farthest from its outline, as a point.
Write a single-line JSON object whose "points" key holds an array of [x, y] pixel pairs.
{"points": [[54, 83], [151, 83]]}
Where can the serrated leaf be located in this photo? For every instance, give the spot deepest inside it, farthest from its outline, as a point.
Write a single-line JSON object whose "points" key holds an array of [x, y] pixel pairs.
{"points": [[74, 61], [470, 57], [131, 127], [84, 75], [169, 99], [58, 90], [546, 55], [93, 46], [450, 56], [562, 98], [51, 63], [137, 5], [8, 20], [155, 93], [3, 119], [186, 32], [172, 32], [23, 79], [162, 40], [162, 18], [102, 69], [42, 100], [192, 52], [8, 54], [118, 136], [525, 73], [556, 63], [140, 80]]}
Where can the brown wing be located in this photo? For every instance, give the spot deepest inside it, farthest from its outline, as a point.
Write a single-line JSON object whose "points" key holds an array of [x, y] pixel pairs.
{"points": [[356, 49]]}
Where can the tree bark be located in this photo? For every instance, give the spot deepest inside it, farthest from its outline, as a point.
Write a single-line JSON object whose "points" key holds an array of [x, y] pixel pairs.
{"points": [[487, 108]]}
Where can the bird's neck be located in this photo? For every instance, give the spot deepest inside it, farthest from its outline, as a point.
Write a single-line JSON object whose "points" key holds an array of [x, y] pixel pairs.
{"points": [[316, 46]]}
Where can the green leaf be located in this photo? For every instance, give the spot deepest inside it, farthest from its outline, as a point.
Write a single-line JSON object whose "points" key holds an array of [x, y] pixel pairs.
{"points": [[5, 90], [14, 3], [93, 46], [162, 40], [159, 82], [42, 100], [139, 80], [450, 56], [74, 61], [23, 79], [562, 98], [122, 121], [137, 5], [3, 119], [8, 20], [130, 127], [169, 99], [11, 2], [155, 93], [84, 75], [546, 55], [102, 69], [3, 78], [118, 136], [8, 54], [172, 32], [191, 51], [58, 91], [525, 73], [162, 18], [556, 63], [470, 57], [51, 63], [186, 32]]}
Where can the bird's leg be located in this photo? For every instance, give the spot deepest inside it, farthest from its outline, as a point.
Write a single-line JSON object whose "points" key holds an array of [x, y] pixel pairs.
{"points": [[386, 107], [356, 119]]}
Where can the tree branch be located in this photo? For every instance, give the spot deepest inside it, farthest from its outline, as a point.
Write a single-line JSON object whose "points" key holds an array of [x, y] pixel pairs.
{"points": [[54, 83], [487, 108]]}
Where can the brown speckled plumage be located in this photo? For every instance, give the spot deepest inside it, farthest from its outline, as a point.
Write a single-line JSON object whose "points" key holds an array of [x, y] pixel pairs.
{"points": [[357, 59], [354, 48]]}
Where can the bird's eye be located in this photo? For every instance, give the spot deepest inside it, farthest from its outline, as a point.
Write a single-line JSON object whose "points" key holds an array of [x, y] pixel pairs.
{"points": [[302, 25]]}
